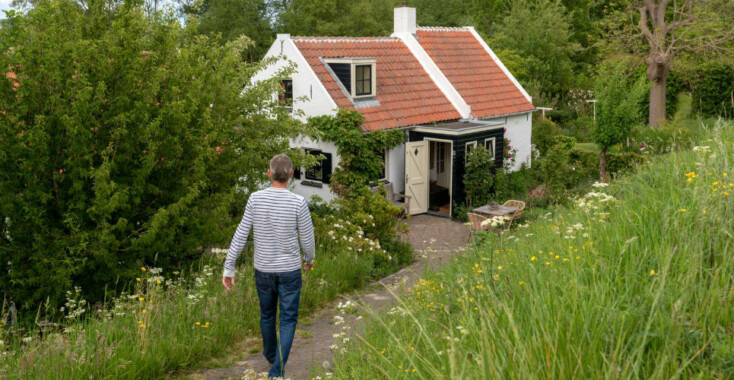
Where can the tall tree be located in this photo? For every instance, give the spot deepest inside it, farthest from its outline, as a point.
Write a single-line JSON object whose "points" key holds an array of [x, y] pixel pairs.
{"points": [[670, 28], [230, 19], [336, 17], [539, 34]]}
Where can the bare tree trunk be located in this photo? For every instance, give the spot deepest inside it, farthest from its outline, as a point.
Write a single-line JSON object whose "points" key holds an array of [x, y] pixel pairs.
{"points": [[658, 68], [657, 103], [603, 166]]}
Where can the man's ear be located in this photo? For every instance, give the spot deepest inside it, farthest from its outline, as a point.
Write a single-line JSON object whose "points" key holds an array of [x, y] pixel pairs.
{"points": [[292, 172], [270, 175]]}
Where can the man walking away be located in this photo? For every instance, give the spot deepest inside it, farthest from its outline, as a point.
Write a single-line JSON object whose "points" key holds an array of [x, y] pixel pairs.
{"points": [[278, 219]]}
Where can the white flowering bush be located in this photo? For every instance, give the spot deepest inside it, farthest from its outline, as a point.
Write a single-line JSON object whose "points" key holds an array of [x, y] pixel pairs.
{"points": [[339, 237]]}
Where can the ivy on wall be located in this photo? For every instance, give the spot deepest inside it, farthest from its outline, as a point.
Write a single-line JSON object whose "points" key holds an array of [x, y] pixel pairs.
{"points": [[359, 152]]}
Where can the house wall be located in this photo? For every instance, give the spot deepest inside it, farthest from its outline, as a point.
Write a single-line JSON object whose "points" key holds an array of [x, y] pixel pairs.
{"points": [[396, 168], [519, 131]]}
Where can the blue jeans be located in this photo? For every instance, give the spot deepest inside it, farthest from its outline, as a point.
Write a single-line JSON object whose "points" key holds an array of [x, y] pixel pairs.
{"points": [[284, 290]]}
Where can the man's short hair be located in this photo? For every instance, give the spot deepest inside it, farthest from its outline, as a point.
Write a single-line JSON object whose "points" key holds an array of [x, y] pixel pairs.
{"points": [[280, 168]]}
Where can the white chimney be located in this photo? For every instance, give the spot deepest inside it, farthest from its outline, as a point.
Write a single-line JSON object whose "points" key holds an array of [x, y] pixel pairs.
{"points": [[404, 19]]}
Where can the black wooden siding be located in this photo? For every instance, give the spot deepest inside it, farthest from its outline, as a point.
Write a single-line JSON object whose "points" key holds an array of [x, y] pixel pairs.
{"points": [[459, 143], [343, 71]]}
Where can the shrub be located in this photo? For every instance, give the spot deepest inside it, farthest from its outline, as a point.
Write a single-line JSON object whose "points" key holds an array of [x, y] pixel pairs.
{"points": [[713, 89], [544, 133], [479, 177], [561, 116], [128, 139]]}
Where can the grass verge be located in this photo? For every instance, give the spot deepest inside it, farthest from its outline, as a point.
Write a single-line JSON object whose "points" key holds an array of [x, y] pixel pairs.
{"points": [[635, 280]]}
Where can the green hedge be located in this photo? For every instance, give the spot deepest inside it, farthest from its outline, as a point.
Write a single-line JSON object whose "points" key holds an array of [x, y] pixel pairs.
{"points": [[713, 90]]}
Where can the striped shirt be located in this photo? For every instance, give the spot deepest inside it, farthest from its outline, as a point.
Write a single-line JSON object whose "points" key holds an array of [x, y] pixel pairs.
{"points": [[278, 218]]}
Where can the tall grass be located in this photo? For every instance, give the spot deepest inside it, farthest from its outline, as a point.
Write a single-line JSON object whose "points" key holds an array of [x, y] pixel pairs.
{"points": [[174, 321], [637, 283]]}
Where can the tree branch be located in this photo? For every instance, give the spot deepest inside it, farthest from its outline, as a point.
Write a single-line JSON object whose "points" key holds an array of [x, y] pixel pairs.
{"points": [[644, 28]]}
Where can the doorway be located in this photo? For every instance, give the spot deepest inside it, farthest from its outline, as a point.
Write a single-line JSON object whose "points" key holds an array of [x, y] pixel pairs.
{"points": [[440, 175]]}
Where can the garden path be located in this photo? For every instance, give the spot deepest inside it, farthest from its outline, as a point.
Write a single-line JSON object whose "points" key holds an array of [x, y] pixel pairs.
{"points": [[435, 240]]}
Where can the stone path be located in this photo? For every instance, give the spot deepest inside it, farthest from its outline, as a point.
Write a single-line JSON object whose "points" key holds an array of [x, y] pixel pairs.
{"points": [[435, 241]]}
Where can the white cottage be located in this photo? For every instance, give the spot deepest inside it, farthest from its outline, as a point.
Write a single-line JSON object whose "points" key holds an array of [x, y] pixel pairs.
{"points": [[443, 86]]}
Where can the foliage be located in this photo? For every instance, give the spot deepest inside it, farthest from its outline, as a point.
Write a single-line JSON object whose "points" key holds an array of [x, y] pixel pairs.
{"points": [[234, 18], [586, 280], [359, 152], [336, 17], [616, 109], [372, 212], [479, 177], [618, 95], [544, 134], [127, 140], [539, 32], [713, 90]]}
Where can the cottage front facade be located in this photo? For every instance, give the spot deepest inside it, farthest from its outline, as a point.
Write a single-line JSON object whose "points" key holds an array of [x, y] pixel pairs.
{"points": [[444, 87]]}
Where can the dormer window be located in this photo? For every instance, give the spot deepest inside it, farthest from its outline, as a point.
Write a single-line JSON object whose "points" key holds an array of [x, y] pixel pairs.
{"points": [[356, 75]]}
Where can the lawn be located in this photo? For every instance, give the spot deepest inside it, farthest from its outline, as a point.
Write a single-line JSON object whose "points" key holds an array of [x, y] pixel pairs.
{"points": [[633, 280]]}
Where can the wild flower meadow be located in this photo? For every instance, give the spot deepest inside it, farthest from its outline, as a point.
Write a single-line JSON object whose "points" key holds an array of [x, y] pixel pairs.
{"points": [[632, 280], [163, 322]]}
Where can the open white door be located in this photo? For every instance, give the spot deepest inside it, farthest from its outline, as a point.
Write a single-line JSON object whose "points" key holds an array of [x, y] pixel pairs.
{"points": [[417, 176]]}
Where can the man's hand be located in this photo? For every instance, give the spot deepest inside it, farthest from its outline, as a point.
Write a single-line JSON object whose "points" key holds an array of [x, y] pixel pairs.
{"points": [[228, 282], [307, 267]]}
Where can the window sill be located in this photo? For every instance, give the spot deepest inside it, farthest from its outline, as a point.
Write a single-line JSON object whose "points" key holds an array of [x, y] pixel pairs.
{"points": [[310, 183]]}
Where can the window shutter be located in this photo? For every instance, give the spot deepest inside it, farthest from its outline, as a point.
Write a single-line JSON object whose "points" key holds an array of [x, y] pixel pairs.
{"points": [[326, 167]]}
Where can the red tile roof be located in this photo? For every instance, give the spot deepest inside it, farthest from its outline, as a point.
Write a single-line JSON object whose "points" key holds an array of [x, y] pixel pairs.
{"points": [[473, 72], [407, 95]]}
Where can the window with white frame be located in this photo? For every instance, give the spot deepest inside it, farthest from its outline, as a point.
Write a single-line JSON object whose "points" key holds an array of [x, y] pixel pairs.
{"points": [[470, 146], [489, 145], [357, 75]]}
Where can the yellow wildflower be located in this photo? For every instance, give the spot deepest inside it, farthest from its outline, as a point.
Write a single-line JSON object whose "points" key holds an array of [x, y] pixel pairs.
{"points": [[138, 279], [142, 268], [532, 258], [652, 272], [141, 299], [198, 323], [499, 267], [682, 210], [547, 263], [521, 282]]}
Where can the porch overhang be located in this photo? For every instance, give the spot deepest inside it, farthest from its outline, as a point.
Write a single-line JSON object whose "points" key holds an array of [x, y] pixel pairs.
{"points": [[459, 127]]}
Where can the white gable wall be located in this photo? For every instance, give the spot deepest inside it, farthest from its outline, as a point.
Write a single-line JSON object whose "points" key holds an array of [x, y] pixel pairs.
{"points": [[309, 94], [311, 98], [518, 131]]}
